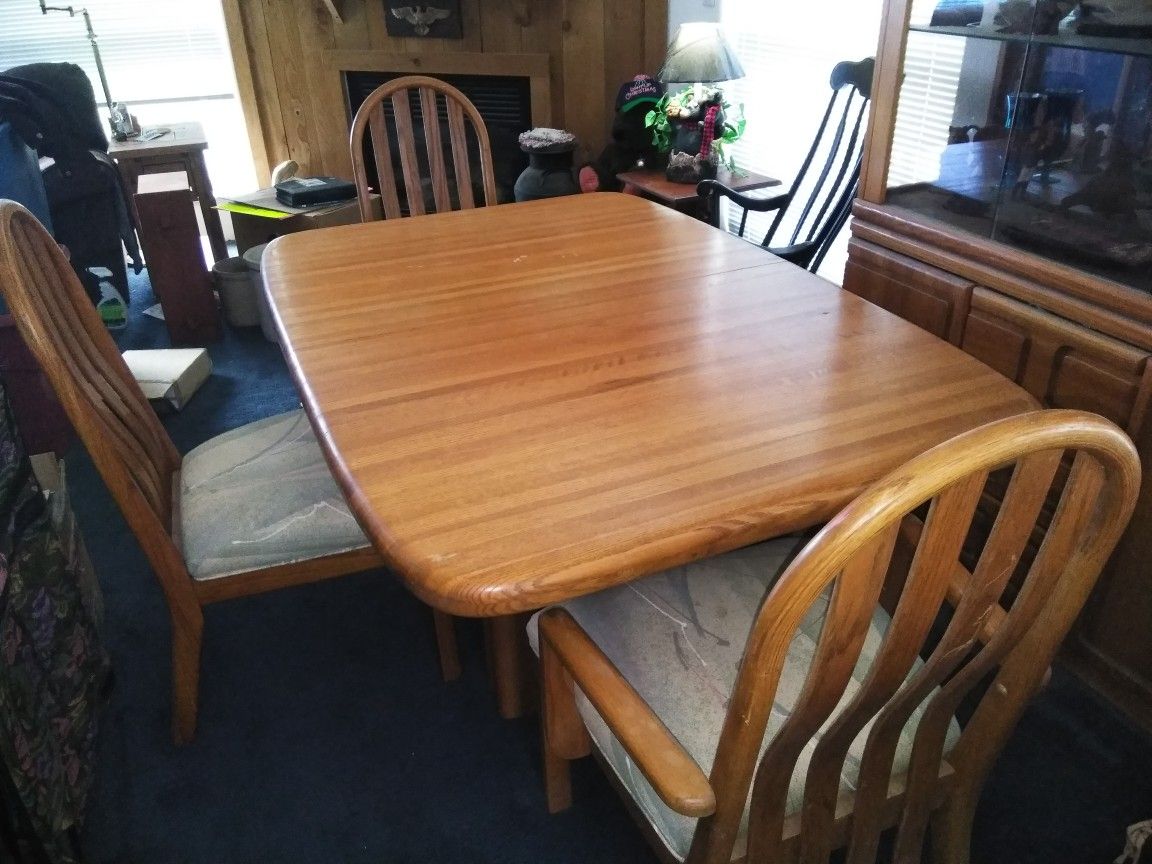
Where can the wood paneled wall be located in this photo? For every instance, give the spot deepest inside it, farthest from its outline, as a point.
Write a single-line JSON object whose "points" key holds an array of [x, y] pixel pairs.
{"points": [[288, 54]]}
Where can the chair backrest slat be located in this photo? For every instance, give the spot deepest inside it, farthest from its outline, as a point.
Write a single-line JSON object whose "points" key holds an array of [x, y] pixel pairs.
{"points": [[801, 172], [845, 157], [831, 158], [421, 148], [435, 150], [843, 151], [936, 652], [459, 136], [382, 150], [405, 134]]}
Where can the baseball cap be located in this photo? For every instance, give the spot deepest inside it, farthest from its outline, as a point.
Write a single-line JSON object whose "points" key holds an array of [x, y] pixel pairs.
{"points": [[642, 88]]}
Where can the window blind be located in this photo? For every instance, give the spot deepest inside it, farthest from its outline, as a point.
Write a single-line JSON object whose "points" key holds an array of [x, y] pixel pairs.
{"points": [[926, 107], [153, 50]]}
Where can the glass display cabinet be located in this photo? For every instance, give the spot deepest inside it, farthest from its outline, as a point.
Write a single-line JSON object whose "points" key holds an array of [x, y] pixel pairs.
{"points": [[1031, 130], [1006, 206]]}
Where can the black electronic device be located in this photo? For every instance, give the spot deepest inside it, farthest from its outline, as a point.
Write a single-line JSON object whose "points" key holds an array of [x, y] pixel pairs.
{"points": [[314, 191]]}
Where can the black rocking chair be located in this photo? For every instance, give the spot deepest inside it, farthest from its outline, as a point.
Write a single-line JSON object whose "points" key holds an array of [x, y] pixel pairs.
{"points": [[820, 199]]}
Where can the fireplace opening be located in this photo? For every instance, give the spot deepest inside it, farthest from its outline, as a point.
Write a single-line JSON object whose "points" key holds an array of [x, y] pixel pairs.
{"points": [[504, 101]]}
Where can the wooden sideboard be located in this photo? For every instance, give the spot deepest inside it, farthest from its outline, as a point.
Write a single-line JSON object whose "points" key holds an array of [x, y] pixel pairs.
{"points": [[1070, 336]]}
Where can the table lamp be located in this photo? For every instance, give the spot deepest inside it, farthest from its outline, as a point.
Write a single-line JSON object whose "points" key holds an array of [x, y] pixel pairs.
{"points": [[699, 54]]}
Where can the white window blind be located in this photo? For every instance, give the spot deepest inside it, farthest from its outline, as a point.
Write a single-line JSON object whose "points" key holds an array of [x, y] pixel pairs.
{"points": [[926, 108], [788, 51], [153, 50]]}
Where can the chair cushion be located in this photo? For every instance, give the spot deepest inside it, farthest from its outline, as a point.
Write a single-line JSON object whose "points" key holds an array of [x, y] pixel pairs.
{"points": [[678, 636], [261, 495]]}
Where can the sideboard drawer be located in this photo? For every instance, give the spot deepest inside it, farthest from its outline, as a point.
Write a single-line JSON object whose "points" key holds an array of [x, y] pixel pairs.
{"points": [[1059, 362], [929, 297]]}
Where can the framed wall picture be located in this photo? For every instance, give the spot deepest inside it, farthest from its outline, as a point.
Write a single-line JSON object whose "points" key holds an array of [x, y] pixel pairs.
{"points": [[439, 20]]}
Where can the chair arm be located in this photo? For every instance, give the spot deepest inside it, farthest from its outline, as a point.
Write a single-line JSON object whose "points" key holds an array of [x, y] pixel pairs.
{"points": [[799, 254], [662, 760], [716, 189]]}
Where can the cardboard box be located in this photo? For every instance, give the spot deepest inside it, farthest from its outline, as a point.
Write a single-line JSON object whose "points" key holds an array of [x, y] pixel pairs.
{"points": [[169, 376], [253, 230]]}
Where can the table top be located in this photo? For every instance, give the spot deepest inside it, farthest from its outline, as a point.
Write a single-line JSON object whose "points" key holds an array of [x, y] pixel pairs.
{"points": [[529, 402], [180, 138], [655, 183]]}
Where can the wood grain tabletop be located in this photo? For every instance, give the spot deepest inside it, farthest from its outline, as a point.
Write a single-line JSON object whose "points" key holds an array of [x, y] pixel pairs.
{"points": [[530, 402]]}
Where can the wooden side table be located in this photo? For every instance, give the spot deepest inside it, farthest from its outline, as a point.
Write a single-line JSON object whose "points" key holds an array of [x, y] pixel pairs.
{"points": [[180, 149], [652, 184]]}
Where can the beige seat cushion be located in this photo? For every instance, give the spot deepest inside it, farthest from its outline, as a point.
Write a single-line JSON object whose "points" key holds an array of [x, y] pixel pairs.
{"points": [[261, 495], [677, 637]]}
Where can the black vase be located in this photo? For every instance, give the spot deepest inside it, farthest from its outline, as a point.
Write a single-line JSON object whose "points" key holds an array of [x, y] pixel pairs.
{"points": [[548, 175]]}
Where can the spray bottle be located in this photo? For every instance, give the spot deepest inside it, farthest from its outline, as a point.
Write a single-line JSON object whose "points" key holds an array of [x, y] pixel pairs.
{"points": [[113, 311]]}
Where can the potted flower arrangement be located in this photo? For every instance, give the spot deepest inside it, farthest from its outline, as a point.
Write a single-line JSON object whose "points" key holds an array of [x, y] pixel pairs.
{"points": [[694, 128]]}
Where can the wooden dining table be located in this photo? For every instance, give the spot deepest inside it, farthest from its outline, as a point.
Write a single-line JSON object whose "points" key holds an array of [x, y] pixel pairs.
{"points": [[530, 402]]}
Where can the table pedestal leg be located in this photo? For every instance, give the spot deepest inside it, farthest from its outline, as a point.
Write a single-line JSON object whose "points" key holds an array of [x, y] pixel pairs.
{"points": [[506, 640]]}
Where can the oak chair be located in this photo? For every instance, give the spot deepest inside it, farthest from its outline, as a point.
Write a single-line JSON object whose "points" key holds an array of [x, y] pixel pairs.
{"points": [[819, 201], [782, 727], [411, 131], [246, 512]]}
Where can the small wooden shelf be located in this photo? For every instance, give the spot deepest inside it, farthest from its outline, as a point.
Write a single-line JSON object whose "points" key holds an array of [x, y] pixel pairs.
{"points": [[1142, 47]]}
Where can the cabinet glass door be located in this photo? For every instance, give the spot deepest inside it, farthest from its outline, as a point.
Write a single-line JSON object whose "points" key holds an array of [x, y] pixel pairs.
{"points": [[1031, 130]]}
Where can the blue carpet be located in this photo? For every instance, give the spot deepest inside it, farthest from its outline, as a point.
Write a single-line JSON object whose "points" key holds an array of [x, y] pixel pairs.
{"points": [[326, 734]]}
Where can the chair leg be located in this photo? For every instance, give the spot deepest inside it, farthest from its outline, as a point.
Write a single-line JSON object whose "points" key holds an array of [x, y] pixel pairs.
{"points": [[557, 779], [446, 645], [562, 733], [187, 639]]}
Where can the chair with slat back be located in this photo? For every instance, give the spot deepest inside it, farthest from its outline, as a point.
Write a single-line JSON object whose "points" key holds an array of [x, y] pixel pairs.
{"points": [[819, 201], [246, 512], [423, 124], [765, 705]]}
